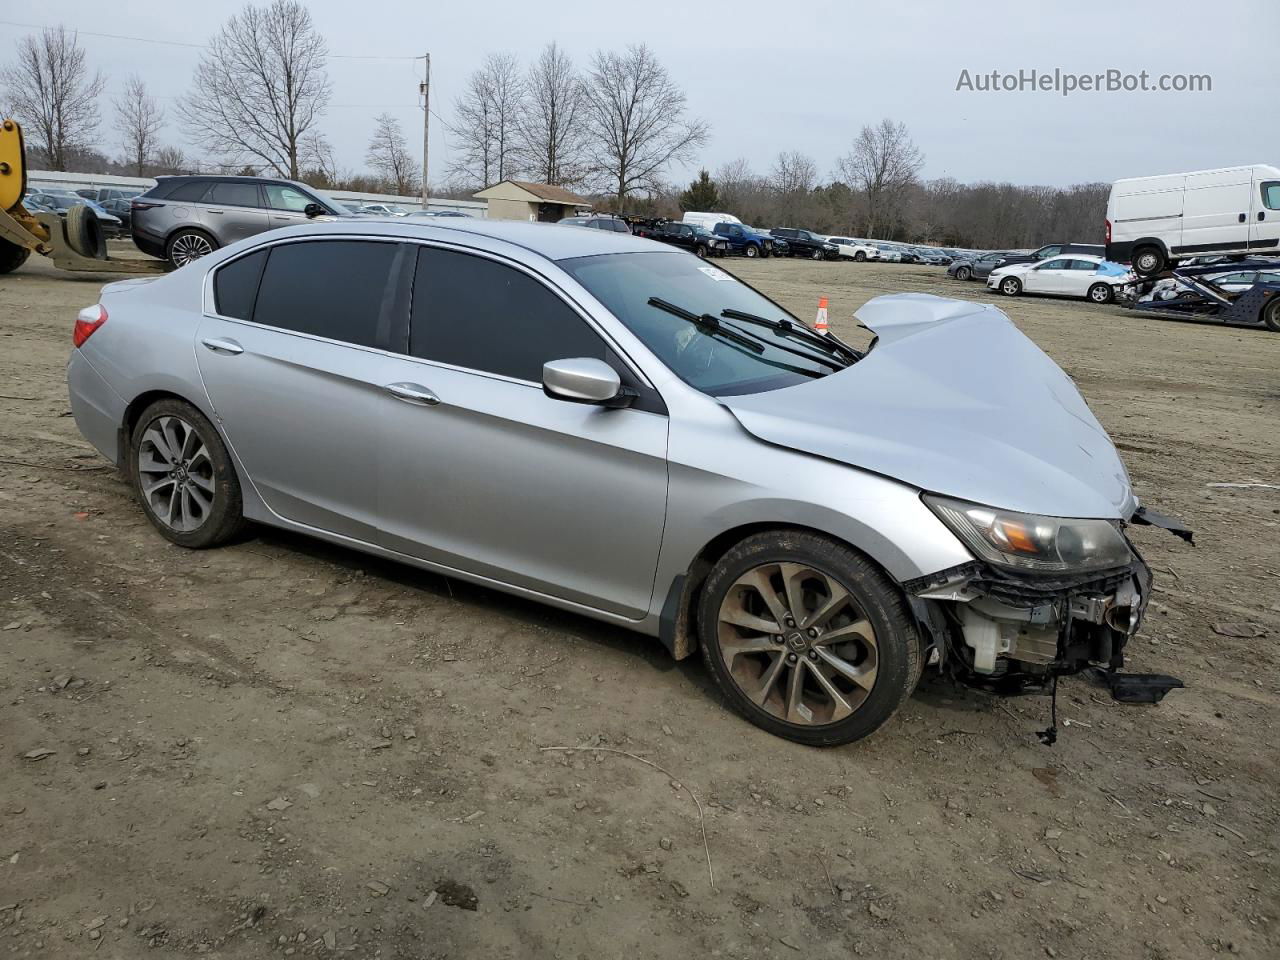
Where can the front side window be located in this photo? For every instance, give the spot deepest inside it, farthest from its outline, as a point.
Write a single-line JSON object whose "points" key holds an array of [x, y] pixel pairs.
{"points": [[472, 312], [339, 289], [1271, 194], [281, 196], [624, 282]]}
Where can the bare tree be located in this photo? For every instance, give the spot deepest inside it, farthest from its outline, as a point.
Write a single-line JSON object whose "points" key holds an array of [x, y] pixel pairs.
{"points": [[140, 119], [635, 113], [170, 160], [260, 88], [316, 159], [389, 156], [550, 129], [486, 122], [883, 163], [50, 90], [793, 173]]}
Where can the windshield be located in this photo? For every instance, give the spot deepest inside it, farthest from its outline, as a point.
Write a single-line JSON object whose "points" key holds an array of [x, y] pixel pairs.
{"points": [[716, 365]]}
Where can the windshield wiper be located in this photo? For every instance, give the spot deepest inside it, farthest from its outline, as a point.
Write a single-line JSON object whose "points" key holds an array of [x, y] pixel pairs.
{"points": [[709, 324], [827, 341]]}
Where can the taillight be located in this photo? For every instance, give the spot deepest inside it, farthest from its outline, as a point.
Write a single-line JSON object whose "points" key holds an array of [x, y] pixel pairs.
{"points": [[1108, 231], [87, 321], [136, 205]]}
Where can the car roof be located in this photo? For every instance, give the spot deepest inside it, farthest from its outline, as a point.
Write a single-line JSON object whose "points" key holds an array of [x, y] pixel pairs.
{"points": [[550, 240]]}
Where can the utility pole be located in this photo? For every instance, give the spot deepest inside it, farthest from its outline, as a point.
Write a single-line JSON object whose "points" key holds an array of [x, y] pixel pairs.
{"points": [[424, 90]]}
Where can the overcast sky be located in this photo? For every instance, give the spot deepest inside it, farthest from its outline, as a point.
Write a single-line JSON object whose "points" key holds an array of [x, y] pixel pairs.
{"points": [[781, 75]]}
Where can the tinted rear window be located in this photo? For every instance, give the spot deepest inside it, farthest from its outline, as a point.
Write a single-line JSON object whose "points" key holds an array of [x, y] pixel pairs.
{"points": [[328, 288], [236, 285], [235, 194], [191, 191], [477, 313]]}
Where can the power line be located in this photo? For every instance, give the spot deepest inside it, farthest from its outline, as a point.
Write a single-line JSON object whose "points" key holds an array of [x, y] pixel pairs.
{"points": [[195, 46]]}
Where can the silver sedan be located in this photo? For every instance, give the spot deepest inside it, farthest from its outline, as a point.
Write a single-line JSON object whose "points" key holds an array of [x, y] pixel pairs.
{"points": [[616, 428]]}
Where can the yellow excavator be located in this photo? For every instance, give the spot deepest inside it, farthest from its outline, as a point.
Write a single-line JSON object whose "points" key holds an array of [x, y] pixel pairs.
{"points": [[75, 243]]}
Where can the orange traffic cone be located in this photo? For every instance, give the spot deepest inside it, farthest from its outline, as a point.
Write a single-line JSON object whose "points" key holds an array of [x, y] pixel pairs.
{"points": [[820, 323]]}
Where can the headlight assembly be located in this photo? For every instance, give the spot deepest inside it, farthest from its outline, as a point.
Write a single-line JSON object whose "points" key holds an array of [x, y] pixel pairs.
{"points": [[1024, 541]]}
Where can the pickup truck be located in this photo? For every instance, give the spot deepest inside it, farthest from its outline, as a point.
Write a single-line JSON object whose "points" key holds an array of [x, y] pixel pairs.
{"points": [[804, 243], [687, 236], [745, 239]]}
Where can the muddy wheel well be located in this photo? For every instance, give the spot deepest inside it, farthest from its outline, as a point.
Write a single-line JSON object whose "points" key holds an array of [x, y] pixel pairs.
{"points": [[131, 414], [678, 628]]}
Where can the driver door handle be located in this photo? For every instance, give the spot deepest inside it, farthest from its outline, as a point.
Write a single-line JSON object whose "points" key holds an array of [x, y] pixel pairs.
{"points": [[413, 393], [223, 346]]}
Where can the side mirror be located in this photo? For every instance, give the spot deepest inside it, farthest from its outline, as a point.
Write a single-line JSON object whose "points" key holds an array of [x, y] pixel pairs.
{"points": [[313, 210], [585, 380]]}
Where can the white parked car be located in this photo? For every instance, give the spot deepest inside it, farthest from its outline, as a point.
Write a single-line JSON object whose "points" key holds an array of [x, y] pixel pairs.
{"points": [[888, 252], [1079, 275], [854, 249]]}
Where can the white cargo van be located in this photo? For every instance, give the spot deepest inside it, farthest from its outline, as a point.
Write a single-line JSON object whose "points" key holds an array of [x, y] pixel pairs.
{"points": [[708, 221], [1153, 221]]}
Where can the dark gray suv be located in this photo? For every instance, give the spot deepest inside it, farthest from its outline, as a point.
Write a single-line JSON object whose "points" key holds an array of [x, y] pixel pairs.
{"points": [[181, 219]]}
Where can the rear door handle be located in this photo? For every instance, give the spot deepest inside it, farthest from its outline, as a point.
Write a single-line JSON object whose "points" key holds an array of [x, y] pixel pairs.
{"points": [[223, 346], [413, 393]]}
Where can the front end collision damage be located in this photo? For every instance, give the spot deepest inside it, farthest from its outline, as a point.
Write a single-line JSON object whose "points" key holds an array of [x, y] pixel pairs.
{"points": [[1018, 632]]}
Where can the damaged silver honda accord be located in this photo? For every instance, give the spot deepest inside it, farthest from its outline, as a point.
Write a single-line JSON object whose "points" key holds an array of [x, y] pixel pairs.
{"points": [[615, 428]]}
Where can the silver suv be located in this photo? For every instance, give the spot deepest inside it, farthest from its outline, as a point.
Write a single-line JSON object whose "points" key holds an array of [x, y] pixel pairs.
{"points": [[181, 219]]}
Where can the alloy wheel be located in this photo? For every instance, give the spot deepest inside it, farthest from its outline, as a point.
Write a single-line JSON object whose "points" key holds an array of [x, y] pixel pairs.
{"points": [[188, 247], [175, 474], [1100, 294], [796, 644]]}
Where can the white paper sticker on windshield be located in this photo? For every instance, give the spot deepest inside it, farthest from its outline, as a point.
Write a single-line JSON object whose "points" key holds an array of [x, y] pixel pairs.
{"points": [[715, 273]]}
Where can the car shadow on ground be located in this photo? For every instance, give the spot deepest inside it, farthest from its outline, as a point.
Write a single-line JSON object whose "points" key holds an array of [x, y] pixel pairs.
{"points": [[644, 649]]}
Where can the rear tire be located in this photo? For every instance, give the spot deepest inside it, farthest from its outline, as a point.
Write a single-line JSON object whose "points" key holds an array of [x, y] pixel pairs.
{"points": [[1101, 293], [184, 477], [964, 273], [12, 256], [84, 233], [188, 244], [1271, 314], [1149, 261], [1011, 286]]}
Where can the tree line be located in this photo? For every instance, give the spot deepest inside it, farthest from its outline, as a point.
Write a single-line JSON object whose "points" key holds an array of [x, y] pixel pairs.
{"points": [[612, 129]]}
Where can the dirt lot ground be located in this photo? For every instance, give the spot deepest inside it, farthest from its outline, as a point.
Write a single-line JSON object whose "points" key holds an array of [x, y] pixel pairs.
{"points": [[282, 748]]}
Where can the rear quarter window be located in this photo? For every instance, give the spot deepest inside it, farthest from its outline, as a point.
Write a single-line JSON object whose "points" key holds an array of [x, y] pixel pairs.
{"points": [[235, 286], [191, 191]]}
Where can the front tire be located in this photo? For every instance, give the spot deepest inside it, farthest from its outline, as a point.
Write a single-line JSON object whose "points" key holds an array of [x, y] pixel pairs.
{"points": [[816, 255], [860, 256], [752, 251], [700, 252], [964, 273], [1011, 286], [187, 245], [806, 638], [184, 477], [1101, 293]]}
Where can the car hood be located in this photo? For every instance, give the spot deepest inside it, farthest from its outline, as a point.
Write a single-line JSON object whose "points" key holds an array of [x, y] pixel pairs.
{"points": [[953, 399]]}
